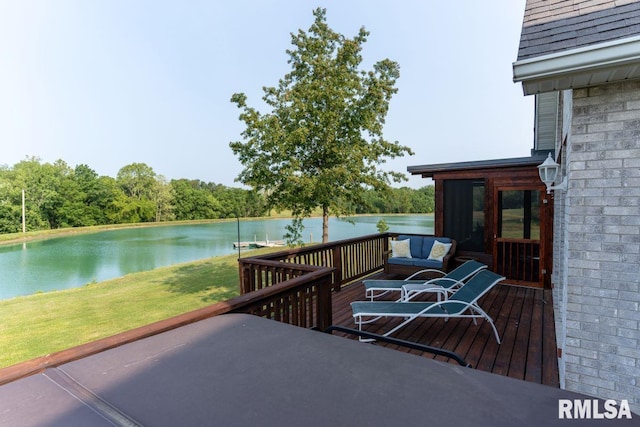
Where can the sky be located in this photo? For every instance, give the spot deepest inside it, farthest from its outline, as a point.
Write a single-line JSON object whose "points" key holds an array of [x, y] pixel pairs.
{"points": [[107, 83]]}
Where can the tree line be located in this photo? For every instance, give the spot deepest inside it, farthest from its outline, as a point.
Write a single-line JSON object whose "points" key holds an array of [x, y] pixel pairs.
{"points": [[60, 196]]}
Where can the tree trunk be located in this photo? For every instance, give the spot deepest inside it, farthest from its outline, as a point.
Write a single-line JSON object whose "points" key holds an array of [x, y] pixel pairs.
{"points": [[325, 224]]}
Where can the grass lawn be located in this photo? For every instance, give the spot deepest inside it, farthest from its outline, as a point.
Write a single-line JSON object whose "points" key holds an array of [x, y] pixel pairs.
{"points": [[44, 323]]}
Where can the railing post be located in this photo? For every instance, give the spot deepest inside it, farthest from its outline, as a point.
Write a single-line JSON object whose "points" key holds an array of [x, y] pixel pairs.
{"points": [[337, 264], [246, 282], [241, 277], [385, 250], [324, 309]]}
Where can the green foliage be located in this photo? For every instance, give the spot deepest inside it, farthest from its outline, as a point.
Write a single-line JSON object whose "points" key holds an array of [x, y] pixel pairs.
{"points": [[58, 196], [193, 201], [163, 198], [321, 143], [293, 232], [137, 180], [398, 200], [10, 201], [382, 226]]}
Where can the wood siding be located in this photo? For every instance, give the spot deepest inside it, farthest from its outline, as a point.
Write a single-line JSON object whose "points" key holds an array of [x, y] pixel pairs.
{"points": [[513, 177]]}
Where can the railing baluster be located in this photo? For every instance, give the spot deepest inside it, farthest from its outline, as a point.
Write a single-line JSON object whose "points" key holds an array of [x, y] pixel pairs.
{"points": [[310, 303]]}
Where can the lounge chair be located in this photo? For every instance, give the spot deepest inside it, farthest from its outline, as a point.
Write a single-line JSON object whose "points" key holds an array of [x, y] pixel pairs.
{"points": [[449, 281], [462, 303]]}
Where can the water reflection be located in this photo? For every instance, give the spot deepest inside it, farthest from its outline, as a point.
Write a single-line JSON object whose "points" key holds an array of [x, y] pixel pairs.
{"points": [[71, 261]]}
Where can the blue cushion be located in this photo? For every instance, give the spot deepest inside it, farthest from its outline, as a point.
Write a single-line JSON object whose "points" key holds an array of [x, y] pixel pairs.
{"points": [[416, 243], [402, 261], [416, 262], [420, 250], [427, 244], [427, 263]]}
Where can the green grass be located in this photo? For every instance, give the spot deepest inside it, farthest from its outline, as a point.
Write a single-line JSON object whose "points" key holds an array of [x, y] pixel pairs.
{"points": [[513, 227], [44, 323]]}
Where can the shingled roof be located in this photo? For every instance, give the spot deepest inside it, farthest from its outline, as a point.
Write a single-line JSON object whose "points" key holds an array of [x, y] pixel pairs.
{"points": [[568, 44], [556, 25]]}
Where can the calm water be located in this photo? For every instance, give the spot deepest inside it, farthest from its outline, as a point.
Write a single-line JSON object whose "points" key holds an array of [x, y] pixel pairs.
{"points": [[72, 261]]}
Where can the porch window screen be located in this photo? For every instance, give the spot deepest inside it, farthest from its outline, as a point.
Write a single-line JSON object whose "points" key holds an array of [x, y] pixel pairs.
{"points": [[464, 213]]}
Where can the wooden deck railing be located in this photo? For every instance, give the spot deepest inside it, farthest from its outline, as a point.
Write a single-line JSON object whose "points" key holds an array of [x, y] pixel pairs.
{"points": [[292, 293], [351, 259], [303, 300], [519, 260]]}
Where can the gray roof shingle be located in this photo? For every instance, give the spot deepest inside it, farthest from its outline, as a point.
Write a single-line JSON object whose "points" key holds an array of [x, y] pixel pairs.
{"points": [[557, 25]]}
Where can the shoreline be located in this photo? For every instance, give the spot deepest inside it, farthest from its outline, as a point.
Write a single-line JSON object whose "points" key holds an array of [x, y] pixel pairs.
{"points": [[31, 236], [17, 287]]}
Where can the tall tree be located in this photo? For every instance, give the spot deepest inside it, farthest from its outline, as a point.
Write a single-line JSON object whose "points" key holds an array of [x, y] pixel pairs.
{"points": [[321, 145], [138, 181], [40, 183], [10, 202], [192, 200], [163, 199]]}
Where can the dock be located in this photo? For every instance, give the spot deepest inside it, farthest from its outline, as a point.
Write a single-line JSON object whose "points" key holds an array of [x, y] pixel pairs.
{"points": [[259, 244]]}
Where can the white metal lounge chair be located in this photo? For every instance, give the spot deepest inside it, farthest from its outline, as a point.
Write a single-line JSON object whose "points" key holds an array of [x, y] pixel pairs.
{"points": [[449, 281], [462, 303]]}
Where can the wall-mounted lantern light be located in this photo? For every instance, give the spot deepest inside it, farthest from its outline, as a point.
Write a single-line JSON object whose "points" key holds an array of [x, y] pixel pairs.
{"points": [[548, 171]]}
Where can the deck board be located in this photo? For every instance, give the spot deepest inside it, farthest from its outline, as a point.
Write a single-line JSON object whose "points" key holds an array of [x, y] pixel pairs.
{"points": [[522, 315], [534, 354]]}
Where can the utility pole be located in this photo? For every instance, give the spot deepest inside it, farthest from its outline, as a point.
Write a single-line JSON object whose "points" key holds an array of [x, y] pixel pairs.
{"points": [[24, 221]]}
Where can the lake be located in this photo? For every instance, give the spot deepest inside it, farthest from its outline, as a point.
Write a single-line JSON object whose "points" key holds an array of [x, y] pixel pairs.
{"points": [[76, 260]]}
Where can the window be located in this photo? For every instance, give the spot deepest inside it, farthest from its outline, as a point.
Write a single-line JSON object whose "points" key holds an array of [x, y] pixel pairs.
{"points": [[519, 214], [464, 213]]}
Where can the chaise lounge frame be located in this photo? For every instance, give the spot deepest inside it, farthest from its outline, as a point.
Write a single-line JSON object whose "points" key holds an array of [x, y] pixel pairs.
{"points": [[461, 304], [411, 287]]}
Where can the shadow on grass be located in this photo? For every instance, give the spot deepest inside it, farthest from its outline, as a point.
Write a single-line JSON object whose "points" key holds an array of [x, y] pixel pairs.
{"points": [[216, 282]]}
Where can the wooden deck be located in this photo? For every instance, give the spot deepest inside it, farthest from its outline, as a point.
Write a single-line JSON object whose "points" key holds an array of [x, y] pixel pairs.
{"points": [[522, 315]]}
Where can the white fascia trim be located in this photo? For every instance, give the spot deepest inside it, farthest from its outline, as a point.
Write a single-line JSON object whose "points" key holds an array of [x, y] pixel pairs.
{"points": [[578, 60]]}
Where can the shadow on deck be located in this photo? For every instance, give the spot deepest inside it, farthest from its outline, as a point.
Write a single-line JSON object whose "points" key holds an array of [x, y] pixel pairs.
{"points": [[523, 317]]}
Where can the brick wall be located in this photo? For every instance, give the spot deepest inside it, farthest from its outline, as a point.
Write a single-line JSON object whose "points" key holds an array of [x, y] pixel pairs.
{"points": [[601, 354]]}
